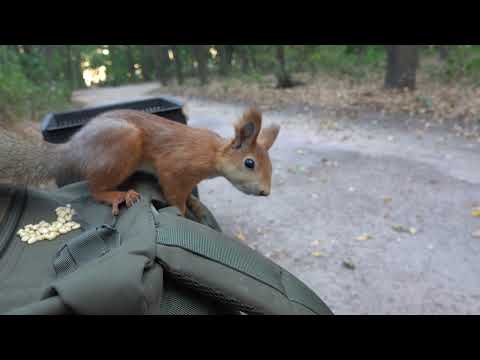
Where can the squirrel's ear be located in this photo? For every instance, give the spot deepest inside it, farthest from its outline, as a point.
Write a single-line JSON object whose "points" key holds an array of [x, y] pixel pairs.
{"points": [[247, 128], [267, 136]]}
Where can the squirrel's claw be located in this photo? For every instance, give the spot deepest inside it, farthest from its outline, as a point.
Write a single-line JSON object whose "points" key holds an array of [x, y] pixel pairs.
{"points": [[131, 197]]}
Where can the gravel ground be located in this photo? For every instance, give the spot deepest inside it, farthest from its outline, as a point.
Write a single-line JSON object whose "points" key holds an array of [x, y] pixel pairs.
{"points": [[336, 181]]}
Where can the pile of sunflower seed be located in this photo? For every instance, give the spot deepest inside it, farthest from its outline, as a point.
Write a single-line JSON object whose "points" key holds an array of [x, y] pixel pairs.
{"points": [[48, 231]]}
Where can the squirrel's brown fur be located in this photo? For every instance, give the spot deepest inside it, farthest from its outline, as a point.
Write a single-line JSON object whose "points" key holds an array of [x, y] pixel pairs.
{"points": [[112, 146]]}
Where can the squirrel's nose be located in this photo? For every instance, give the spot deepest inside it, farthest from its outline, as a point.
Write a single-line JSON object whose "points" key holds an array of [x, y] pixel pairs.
{"points": [[264, 193]]}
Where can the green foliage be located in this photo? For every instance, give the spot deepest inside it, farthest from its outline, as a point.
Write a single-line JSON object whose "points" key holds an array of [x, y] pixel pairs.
{"points": [[461, 64], [337, 60], [26, 88], [35, 79]]}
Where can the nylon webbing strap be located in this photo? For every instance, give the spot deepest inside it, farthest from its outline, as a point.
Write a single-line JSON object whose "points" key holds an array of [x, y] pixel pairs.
{"points": [[83, 248], [12, 215], [175, 231]]}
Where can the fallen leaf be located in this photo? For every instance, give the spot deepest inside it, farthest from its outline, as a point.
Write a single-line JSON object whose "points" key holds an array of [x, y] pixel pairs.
{"points": [[348, 264], [476, 212], [364, 237], [387, 200], [318, 254], [240, 236], [400, 228]]}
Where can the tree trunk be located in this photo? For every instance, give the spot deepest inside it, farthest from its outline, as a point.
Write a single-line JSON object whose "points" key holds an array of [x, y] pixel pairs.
{"points": [[252, 57], [69, 67], [130, 61], [200, 55], [77, 72], [161, 63], [243, 55], [402, 63], [147, 62], [226, 56], [27, 49], [49, 58], [178, 64], [283, 78], [443, 51], [307, 64], [3, 55]]}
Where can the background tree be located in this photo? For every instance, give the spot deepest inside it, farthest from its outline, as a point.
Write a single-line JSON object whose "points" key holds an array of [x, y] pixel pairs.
{"points": [[226, 57], [283, 77], [402, 63], [177, 53], [200, 53]]}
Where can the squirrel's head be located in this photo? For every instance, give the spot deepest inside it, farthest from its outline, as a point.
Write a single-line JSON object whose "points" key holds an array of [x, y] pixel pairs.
{"points": [[244, 160]]}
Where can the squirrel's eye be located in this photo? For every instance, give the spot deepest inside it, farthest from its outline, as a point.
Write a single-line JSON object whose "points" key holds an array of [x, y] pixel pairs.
{"points": [[249, 163]]}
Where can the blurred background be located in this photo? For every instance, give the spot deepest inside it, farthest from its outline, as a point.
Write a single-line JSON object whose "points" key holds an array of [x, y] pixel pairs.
{"points": [[375, 199], [35, 79]]}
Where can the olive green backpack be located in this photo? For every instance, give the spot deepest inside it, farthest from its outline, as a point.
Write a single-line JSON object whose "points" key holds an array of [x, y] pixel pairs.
{"points": [[147, 261]]}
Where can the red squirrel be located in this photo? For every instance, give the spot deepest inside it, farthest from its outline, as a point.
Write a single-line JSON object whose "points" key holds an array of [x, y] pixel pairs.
{"points": [[115, 144]]}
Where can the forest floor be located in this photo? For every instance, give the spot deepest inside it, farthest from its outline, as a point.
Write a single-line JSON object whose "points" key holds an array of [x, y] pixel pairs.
{"points": [[374, 212]]}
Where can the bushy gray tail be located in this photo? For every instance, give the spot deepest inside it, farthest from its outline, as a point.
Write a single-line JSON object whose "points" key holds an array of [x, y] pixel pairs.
{"points": [[26, 159]]}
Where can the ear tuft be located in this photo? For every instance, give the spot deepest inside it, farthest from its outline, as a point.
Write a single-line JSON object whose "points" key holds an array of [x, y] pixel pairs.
{"points": [[247, 128]]}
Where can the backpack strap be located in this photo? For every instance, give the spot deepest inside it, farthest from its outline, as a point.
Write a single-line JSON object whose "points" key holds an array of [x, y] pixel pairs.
{"points": [[12, 211], [228, 271]]}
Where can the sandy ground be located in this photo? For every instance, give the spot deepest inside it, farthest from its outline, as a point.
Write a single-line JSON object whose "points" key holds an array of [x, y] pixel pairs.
{"points": [[336, 180]]}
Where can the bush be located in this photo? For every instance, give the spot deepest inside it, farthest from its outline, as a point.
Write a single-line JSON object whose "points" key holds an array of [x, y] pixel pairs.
{"points": [[22, 98]]}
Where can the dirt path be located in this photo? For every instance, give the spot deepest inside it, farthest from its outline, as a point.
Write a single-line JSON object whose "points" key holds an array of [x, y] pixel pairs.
{"points": [[335, 180]]}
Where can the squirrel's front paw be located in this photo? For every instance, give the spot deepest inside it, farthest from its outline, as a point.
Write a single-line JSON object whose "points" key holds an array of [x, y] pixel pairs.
{"points": [[131, 197]]}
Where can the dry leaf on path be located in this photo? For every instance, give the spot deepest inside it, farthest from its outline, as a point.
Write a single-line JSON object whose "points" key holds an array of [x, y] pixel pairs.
{"points": [[364, 237], [476, 212], [387, 200], [240, 236], [404, 229], [348, 264]]}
